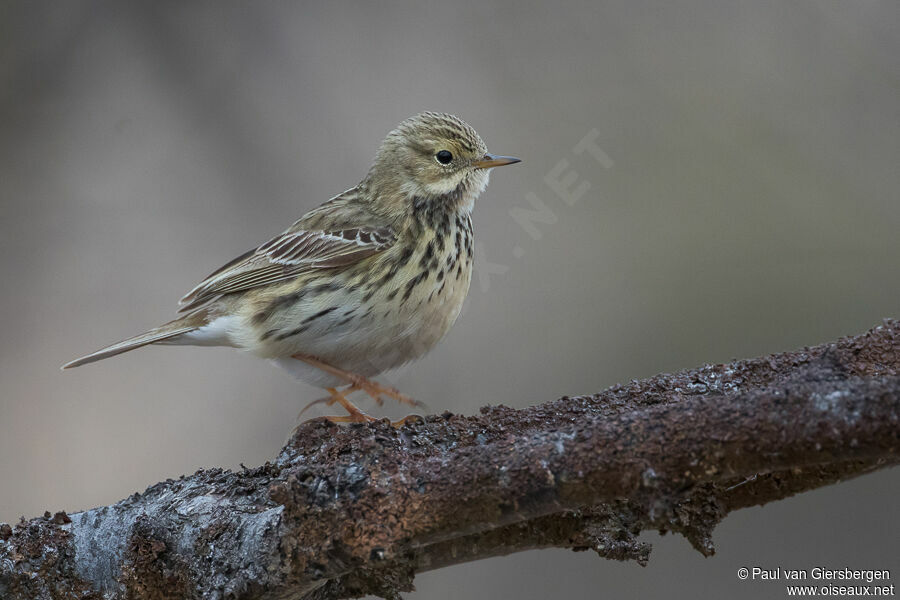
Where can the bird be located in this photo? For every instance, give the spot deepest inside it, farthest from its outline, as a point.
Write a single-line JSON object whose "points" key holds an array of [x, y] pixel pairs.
{"points": [[366, 282]]}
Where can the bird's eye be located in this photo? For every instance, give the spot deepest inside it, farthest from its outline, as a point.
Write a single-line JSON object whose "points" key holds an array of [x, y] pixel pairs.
{"points": [[444, 157]]}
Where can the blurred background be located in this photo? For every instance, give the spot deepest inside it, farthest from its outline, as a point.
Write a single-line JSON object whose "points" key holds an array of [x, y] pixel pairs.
{"points": [[741, 199]]}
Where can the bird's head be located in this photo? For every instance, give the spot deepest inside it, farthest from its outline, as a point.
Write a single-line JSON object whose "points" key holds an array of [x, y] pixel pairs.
{"points": [[432, 157]]}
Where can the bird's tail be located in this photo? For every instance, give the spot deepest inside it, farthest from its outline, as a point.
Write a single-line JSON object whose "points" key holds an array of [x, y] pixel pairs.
{"points": [[156, 335]]}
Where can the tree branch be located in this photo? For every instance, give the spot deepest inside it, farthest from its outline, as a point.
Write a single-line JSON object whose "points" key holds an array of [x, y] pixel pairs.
{"points": [[348, 511]]}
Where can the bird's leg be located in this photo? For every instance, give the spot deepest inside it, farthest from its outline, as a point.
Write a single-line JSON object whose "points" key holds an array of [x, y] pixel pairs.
{"points": [[330, 399], [354, 414], [376, 390], [358, 382]]}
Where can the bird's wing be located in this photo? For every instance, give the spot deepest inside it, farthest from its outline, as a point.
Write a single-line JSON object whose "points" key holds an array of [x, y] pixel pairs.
{"points": [[293, 252]]}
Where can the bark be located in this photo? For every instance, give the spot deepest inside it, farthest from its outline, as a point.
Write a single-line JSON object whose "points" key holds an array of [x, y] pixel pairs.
{"points": [[348, 511]]}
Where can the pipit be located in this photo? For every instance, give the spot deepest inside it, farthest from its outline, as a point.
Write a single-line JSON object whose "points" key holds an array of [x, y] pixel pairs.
{"points": [[366, 282]]}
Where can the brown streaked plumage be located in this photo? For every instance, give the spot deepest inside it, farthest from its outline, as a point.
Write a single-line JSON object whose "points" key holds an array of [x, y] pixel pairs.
{"points": [[364, 283]]}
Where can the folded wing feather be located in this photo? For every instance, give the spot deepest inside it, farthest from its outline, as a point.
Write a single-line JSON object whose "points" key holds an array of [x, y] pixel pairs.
{"points": [[289, 255]]}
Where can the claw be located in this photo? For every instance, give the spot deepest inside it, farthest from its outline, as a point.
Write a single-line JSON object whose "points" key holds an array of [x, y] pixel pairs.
{"points": [[328, 400], [359, 417], [406, 420]]}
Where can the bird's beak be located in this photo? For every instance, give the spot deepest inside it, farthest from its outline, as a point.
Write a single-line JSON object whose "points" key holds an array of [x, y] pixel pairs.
{"points": [[490, 161]]}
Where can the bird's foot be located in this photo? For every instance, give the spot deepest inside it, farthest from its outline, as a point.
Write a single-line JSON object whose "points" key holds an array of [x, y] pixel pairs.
{"points": [[330, 399], [357, 382], [406, 421], [354, 414], [378, 391], [359, 417]]}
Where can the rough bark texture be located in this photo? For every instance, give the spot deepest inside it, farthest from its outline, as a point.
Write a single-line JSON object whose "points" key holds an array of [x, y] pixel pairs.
{"points": [[346, 511]]}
